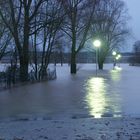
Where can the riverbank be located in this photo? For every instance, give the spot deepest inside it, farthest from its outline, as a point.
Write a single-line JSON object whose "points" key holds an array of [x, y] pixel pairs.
{"points": [[71, 129]]}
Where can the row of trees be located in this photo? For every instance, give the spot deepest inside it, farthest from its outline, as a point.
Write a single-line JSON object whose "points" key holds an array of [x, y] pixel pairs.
{"points": [[46, 25]]}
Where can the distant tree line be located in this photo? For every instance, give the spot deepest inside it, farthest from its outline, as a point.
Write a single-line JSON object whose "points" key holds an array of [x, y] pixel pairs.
{"points": [[51, 25]]}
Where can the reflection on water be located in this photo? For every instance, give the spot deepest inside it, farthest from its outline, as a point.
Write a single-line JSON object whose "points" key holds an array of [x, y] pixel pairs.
{"points": [[115, 92], [96, 96], [100, 101], [116, 74]]}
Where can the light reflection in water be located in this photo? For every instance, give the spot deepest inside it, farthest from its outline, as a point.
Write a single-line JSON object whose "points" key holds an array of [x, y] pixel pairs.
{"points": [[116, 75], [98, 100]]}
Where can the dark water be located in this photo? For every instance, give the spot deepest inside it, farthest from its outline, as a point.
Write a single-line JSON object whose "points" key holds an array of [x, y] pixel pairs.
{"points": [[110, 93]]}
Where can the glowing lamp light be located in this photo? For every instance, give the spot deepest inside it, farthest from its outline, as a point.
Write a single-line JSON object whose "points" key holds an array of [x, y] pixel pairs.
{"points": [[118, 57], [97, 43], [114, 53]]}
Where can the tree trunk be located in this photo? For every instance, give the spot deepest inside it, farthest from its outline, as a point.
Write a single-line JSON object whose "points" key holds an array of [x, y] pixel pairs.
{"points": [[73, 55], [100, 65], [61, 58], [101, 60], [24, 59], [23, 69], [73, 63]]}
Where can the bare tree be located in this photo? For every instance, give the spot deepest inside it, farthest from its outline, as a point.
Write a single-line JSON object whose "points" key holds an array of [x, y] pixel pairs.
{"points": [[51, 17], [18, 16], [110, 27], [77, 24]]}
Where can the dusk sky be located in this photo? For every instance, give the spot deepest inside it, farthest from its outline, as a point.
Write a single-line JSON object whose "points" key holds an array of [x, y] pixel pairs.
{"points": [[134, 23]]}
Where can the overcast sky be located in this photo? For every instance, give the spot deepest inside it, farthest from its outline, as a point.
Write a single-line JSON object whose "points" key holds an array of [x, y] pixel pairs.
{"points": [[134, 23]]}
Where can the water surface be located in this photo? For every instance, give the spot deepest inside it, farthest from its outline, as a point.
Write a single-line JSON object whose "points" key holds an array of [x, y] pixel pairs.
{"points": [[110, 93]]}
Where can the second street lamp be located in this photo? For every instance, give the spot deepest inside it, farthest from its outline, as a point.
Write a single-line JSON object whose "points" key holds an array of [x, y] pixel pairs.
{"points": [[97, 44], [114, 53], [118, 58], [114, 58]]}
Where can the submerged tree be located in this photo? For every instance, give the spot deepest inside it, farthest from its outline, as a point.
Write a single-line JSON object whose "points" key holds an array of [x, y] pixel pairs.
{"points": [[53, 15], [79, 14], [18, 16], [110, 27], [44, 31]]}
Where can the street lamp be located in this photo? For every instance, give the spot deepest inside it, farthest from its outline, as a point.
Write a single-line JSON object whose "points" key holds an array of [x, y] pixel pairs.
{"points": [[97, 44], [114, 53], [118, 58]]}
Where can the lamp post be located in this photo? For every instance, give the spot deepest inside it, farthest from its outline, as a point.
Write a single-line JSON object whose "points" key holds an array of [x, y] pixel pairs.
{"points": [[118, 57], [97, 44], [114, 58]]}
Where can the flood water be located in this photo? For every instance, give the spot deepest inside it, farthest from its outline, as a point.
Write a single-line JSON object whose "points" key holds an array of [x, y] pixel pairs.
{"points": [[112, 93]]}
